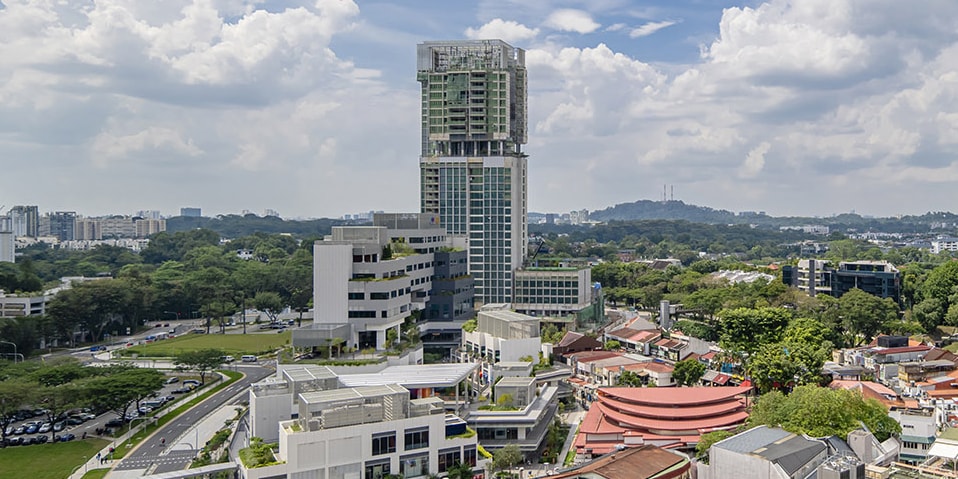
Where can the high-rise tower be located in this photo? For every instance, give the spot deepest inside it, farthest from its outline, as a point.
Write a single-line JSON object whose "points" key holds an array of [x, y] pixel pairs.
{"points": [[473, 173]]}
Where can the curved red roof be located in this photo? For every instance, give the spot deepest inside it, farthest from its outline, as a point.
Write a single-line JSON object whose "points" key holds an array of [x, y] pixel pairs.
{"points": [[671, 397], [662, 412], [678, 426]]}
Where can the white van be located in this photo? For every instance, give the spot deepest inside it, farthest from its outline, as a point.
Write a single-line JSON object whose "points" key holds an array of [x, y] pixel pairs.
{"points": [[249, 358]]}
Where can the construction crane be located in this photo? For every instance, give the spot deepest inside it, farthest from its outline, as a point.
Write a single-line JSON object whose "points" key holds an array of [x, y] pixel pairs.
{"points": [[535, 253]]}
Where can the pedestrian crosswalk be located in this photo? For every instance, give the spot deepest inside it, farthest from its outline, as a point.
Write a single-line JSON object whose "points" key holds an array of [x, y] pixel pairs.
{"points": [[167, 460]]}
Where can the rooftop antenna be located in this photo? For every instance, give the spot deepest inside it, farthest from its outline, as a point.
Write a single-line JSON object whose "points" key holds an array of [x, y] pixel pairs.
{"points": [[672, 193]]}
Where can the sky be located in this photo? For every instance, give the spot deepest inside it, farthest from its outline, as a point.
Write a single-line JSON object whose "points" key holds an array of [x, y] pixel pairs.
{"points": [[802, 107]]}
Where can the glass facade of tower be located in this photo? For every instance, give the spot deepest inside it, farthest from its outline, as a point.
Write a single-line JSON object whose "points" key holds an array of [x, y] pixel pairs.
{"points": [[472, 169]]}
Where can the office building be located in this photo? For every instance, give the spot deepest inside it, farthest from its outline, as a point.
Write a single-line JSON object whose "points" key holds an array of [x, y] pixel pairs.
{"points": [[368, 279], [24, 221], [191, 212], [567, 293], [473, 173]]}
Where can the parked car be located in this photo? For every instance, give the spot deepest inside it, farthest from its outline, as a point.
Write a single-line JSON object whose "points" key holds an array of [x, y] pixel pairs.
{"points": [[74, 421], [42, 438], [20, 430], [67, 437], [14, 441], [191, 381], [172, 380], [45, 427], [115, 422], [58, 426], [32, 428]]}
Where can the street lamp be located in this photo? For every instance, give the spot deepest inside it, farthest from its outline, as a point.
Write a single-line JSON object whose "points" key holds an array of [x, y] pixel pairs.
{"points": [[15, 353]]}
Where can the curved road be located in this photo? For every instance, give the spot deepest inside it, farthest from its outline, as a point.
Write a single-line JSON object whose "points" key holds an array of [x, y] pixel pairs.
{"points": [[148, 452]]}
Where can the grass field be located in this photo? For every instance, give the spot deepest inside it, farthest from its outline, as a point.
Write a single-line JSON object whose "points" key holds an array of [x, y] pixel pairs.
{"points": [[47, 461], [96, 474], [232, 344]]}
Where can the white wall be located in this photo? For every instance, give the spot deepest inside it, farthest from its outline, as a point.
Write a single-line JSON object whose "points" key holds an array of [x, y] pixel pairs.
{"points": [[332, 270]]}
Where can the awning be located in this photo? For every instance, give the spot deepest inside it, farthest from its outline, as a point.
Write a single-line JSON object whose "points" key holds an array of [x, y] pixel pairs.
{"points": [[945, 449]]}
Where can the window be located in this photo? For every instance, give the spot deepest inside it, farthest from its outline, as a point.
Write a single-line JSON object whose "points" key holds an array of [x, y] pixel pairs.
{"points": [[357, 295], [362, 314], [384, 443], [377, 469], [416, 438], [414, 465], [469, 455], [448, 458], [378, 296]]}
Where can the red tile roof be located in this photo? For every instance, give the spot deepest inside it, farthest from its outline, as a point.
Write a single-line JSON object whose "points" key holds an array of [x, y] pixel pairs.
{"points": [[666, 415], [650, 366], [673, 396], [641, 462], [904, 349], [589, 356], [663, 412]]}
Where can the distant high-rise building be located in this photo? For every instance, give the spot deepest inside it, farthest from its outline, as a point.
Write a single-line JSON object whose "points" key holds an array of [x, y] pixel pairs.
{"points": [[473, 173], [149, 214], [271, 212], [191, 212], [147, 227], [60, 224], [25, 220], [6, 247]]}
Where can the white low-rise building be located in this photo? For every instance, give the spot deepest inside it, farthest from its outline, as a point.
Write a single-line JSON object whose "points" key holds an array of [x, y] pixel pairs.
{"points": [[368, 432]]}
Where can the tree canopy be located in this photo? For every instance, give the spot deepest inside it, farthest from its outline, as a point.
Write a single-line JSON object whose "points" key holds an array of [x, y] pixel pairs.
{"points": [[820, 411]]}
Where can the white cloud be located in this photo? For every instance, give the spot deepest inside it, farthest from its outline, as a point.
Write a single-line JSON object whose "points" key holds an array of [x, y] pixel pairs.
{"points": [[108, 146], [754, 161], [615, 27], [649, 28], [508, 31], [571, 20]]}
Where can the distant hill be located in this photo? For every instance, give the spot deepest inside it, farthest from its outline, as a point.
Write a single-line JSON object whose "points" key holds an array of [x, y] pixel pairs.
{"points": [[940, 222], [665, 210], [236, 226]]}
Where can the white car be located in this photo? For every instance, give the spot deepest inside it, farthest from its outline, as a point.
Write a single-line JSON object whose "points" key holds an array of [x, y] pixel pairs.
{"points": [[45, 427]]}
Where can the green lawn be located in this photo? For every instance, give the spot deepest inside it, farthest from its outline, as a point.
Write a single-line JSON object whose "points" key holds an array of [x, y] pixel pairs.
{"points": [[232, 344], [47, 461], [96, 473]]}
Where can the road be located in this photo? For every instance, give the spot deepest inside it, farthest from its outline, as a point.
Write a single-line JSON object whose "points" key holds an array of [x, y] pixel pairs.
{"points": [[149, 451]]}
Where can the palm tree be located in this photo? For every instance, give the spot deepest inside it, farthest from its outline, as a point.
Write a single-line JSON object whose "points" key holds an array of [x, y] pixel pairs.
{"points": [[460, 471]]}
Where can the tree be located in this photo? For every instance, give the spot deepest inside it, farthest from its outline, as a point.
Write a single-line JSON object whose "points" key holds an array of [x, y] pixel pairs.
{"points": [[819, 412], [785, 365], [507, 457], [629, 379], [706, 441], [14, 394], [745, 330], [201, 361], [121, 387], [459, 470], [268, 302], [612, 345], [688, 372], [863, 315]]}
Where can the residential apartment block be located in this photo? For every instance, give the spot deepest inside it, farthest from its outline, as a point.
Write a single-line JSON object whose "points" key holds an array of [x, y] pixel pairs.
{"points": [[813, 276], [473, 173]]}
